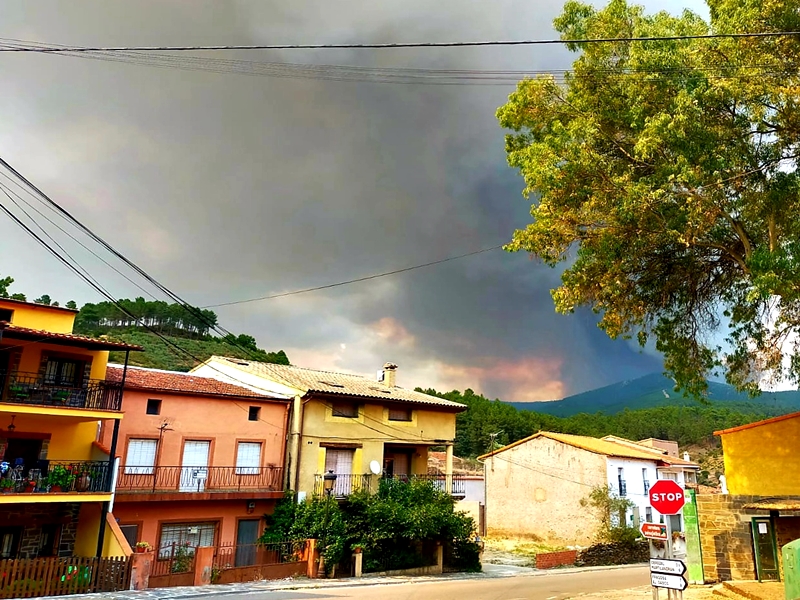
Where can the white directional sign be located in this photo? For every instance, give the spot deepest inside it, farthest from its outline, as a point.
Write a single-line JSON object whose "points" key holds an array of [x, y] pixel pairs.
{"points": [[671, 582], [667, 566]]}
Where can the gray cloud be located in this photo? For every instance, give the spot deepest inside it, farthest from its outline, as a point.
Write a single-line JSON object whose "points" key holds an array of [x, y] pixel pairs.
{"points": [[227, 187]]}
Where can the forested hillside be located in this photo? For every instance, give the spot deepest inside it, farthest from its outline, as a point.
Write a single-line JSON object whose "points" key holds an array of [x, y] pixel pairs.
{"points": [[688, 425]]}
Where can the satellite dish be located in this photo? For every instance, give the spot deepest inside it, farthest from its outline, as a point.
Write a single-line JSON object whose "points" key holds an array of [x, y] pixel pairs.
{"points": [[375, 467]]}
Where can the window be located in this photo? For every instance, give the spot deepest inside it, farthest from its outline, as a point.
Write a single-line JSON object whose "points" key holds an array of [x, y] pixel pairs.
{"points": [[648, 514], [646, 481], [399, 414], [153, 407], [49, 540], [131, 533], [248, 458], [6, 314], [345, 409], [623, 491], [191, 534], [254, 414], [61, 371], [141, 457], [690, 476], [670, 476]]}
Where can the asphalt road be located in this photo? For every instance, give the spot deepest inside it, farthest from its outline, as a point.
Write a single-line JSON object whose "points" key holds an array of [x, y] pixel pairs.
{"points": [[551, 586]]}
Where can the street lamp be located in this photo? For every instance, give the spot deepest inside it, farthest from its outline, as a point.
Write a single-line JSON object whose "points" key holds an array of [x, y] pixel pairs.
{"points": [[328, 481]]}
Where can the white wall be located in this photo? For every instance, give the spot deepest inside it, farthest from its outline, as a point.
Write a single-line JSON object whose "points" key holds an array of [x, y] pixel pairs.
{"points": [[634, 483], [474, 489]]}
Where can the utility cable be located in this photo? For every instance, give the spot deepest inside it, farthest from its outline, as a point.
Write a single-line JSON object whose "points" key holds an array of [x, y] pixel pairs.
{"points": [[359, 279], [56, 49]]}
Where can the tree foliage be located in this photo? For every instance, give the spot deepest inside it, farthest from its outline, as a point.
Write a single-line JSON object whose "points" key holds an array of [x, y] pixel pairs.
{"points": [[611, 511], [683, 424], [666, 173]]}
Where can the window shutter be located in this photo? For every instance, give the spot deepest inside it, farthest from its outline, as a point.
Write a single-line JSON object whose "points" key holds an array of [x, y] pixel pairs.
{"points": [[248, 458], [141, 457]]}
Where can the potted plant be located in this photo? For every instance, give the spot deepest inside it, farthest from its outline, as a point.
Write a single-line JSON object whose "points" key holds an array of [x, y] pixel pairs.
{"points": [[60, 478], [143, 547], [6, 485], [30, 486], [83, 481], [357, 548]]}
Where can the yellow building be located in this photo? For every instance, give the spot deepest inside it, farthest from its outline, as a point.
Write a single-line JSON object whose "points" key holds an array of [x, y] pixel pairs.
{"points": [[56, 481], [350, 426]]}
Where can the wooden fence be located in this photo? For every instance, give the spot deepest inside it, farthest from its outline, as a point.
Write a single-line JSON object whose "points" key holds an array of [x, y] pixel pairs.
{"points": [[31, 577]]}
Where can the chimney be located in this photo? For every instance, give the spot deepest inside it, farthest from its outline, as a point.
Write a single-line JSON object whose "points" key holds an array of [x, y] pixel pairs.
{"points": [[686, 456], [389, 374]]}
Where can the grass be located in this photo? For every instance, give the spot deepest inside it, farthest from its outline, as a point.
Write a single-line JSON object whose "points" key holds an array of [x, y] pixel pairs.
{"points": [[521, 547]]}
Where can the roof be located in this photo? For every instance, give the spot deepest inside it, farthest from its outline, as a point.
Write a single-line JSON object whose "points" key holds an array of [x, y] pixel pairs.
{"points": [[662, 454], [186, 383], [597, 446], [758, 423], [37, 305], [312, 381], [774, 504], [64, 339]]}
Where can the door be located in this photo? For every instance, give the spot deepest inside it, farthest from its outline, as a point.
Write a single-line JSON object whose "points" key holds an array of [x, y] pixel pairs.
{"points": [[194, 467], [9, 541], [246, 536], [340, 461], [766, 549]]}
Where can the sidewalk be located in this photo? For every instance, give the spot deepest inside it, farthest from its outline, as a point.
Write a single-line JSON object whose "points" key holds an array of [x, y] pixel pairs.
{"points": [[489, 572]]}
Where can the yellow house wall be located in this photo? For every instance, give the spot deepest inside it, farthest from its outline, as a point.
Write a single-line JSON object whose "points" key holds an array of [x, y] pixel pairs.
{"points": [[70, 438], [536, 488], [35, 316], [373, 431], [762, 461], [88, 529], [31, 358]]}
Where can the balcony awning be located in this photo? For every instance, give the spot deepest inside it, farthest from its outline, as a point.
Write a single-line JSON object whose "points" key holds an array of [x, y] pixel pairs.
{"points": [[13, 332], [774, 504]]}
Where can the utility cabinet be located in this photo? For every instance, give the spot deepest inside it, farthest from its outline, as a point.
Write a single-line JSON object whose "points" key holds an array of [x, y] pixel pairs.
{"points": [[791, 569]]}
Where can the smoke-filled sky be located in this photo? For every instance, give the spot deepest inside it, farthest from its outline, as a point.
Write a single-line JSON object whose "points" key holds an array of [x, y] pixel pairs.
{"points": [[226, 187]]}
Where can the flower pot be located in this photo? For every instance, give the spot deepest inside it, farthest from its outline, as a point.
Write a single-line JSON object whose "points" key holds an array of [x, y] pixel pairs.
{"points": [[55, 488], [356, 550], [140, 550], [29, 487], [82, 483]]}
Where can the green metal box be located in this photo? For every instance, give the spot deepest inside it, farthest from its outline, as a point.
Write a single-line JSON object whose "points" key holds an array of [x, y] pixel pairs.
{"points": [[791, 569]]}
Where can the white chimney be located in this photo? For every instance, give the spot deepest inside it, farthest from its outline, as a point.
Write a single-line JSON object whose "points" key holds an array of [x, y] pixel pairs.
{"points": [[389, 374], [686, 456]]}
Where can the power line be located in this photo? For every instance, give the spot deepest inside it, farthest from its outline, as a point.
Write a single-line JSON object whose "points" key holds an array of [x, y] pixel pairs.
{"points": [[349, 281], [56, 49]]}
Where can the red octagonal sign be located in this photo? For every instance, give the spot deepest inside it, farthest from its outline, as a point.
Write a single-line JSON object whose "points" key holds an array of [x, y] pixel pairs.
{"points": [[667, 497]]}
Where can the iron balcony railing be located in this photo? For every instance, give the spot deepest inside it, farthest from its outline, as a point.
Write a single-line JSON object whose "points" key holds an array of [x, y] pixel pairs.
{"points": [[32, 388], [623, 488], [646, 486], [163, 479], [65, 476], [344, 485], [439, 480]]}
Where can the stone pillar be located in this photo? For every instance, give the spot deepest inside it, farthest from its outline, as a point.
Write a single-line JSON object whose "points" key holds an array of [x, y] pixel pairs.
{"points": [[203, 563], [313, 558], [358, 560], [448, 470], [439, 558], [141, 564]]}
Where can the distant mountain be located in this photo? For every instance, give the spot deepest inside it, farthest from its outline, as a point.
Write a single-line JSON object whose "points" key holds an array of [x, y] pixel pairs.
{"points": [[656, 390]]}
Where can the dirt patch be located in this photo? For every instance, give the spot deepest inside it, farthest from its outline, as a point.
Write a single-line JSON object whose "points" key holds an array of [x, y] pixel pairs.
{"points": [[519, 552], [646, 593]]}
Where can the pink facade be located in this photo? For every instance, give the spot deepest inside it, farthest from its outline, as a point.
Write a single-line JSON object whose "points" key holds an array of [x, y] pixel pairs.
{"points": [[200, 462]]}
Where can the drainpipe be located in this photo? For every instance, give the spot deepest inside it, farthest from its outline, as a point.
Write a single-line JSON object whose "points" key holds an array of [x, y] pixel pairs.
{"points": [[294, 443]]}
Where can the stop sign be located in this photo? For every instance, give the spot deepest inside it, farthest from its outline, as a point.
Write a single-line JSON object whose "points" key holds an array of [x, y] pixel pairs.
{"points": [[667, 497]]}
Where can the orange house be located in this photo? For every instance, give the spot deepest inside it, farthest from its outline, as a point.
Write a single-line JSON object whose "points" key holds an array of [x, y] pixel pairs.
{"points": [[201, 461]]}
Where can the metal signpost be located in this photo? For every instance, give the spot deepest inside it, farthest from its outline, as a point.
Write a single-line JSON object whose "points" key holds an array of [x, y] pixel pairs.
{"points": [[668, 498]]}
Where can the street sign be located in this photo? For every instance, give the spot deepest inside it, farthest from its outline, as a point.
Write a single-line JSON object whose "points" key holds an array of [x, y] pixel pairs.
{"points": [[671, 582], [667, 566], [667, 497], [654, 531]]}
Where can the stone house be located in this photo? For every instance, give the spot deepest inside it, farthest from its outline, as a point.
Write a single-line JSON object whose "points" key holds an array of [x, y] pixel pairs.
{"points": [[539, 486], [743, 531]]}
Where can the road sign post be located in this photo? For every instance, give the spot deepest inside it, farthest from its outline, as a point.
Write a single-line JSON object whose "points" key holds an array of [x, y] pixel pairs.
{"points": [[668, 498]]}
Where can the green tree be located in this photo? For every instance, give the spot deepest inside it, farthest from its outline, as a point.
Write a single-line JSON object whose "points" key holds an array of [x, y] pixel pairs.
{"points": [[43, 299], [71, 304], [5, 282], [666, 173]]}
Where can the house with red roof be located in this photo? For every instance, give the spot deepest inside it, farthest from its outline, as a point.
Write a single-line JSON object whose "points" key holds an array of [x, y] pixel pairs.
{"points": [[200, 461]]}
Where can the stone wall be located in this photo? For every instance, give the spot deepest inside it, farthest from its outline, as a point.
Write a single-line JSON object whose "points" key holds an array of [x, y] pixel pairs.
{"points": [[726, 537], [34, 517]]}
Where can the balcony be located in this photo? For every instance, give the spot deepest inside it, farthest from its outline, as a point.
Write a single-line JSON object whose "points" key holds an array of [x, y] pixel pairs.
{"points": [[198, 480], [646, 487], [623, 488], [345, 484], [58, 476], [439, 480], [32, 389]]}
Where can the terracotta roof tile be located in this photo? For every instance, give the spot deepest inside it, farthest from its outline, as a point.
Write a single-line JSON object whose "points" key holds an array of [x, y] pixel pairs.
{"points": [[329, 382], [70, 339], [175, 381]]}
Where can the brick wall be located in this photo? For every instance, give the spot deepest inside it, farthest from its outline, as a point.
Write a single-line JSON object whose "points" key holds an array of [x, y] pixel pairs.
{"points": [[550, 560], [725, 536]]}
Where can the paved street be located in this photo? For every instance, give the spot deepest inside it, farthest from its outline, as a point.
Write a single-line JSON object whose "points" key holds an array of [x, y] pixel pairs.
{"points": [[549, 586]]}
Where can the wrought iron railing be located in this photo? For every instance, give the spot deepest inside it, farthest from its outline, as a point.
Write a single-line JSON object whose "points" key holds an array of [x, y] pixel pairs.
{"points": [[67, 476], [344, 485], [32, 388], [458, 486], [143, 479], [646, 486], [623, 489]]}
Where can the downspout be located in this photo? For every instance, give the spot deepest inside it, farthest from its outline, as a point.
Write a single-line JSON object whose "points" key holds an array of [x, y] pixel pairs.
{"points": [[111, 481], [294, 446], [284, 451]]}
